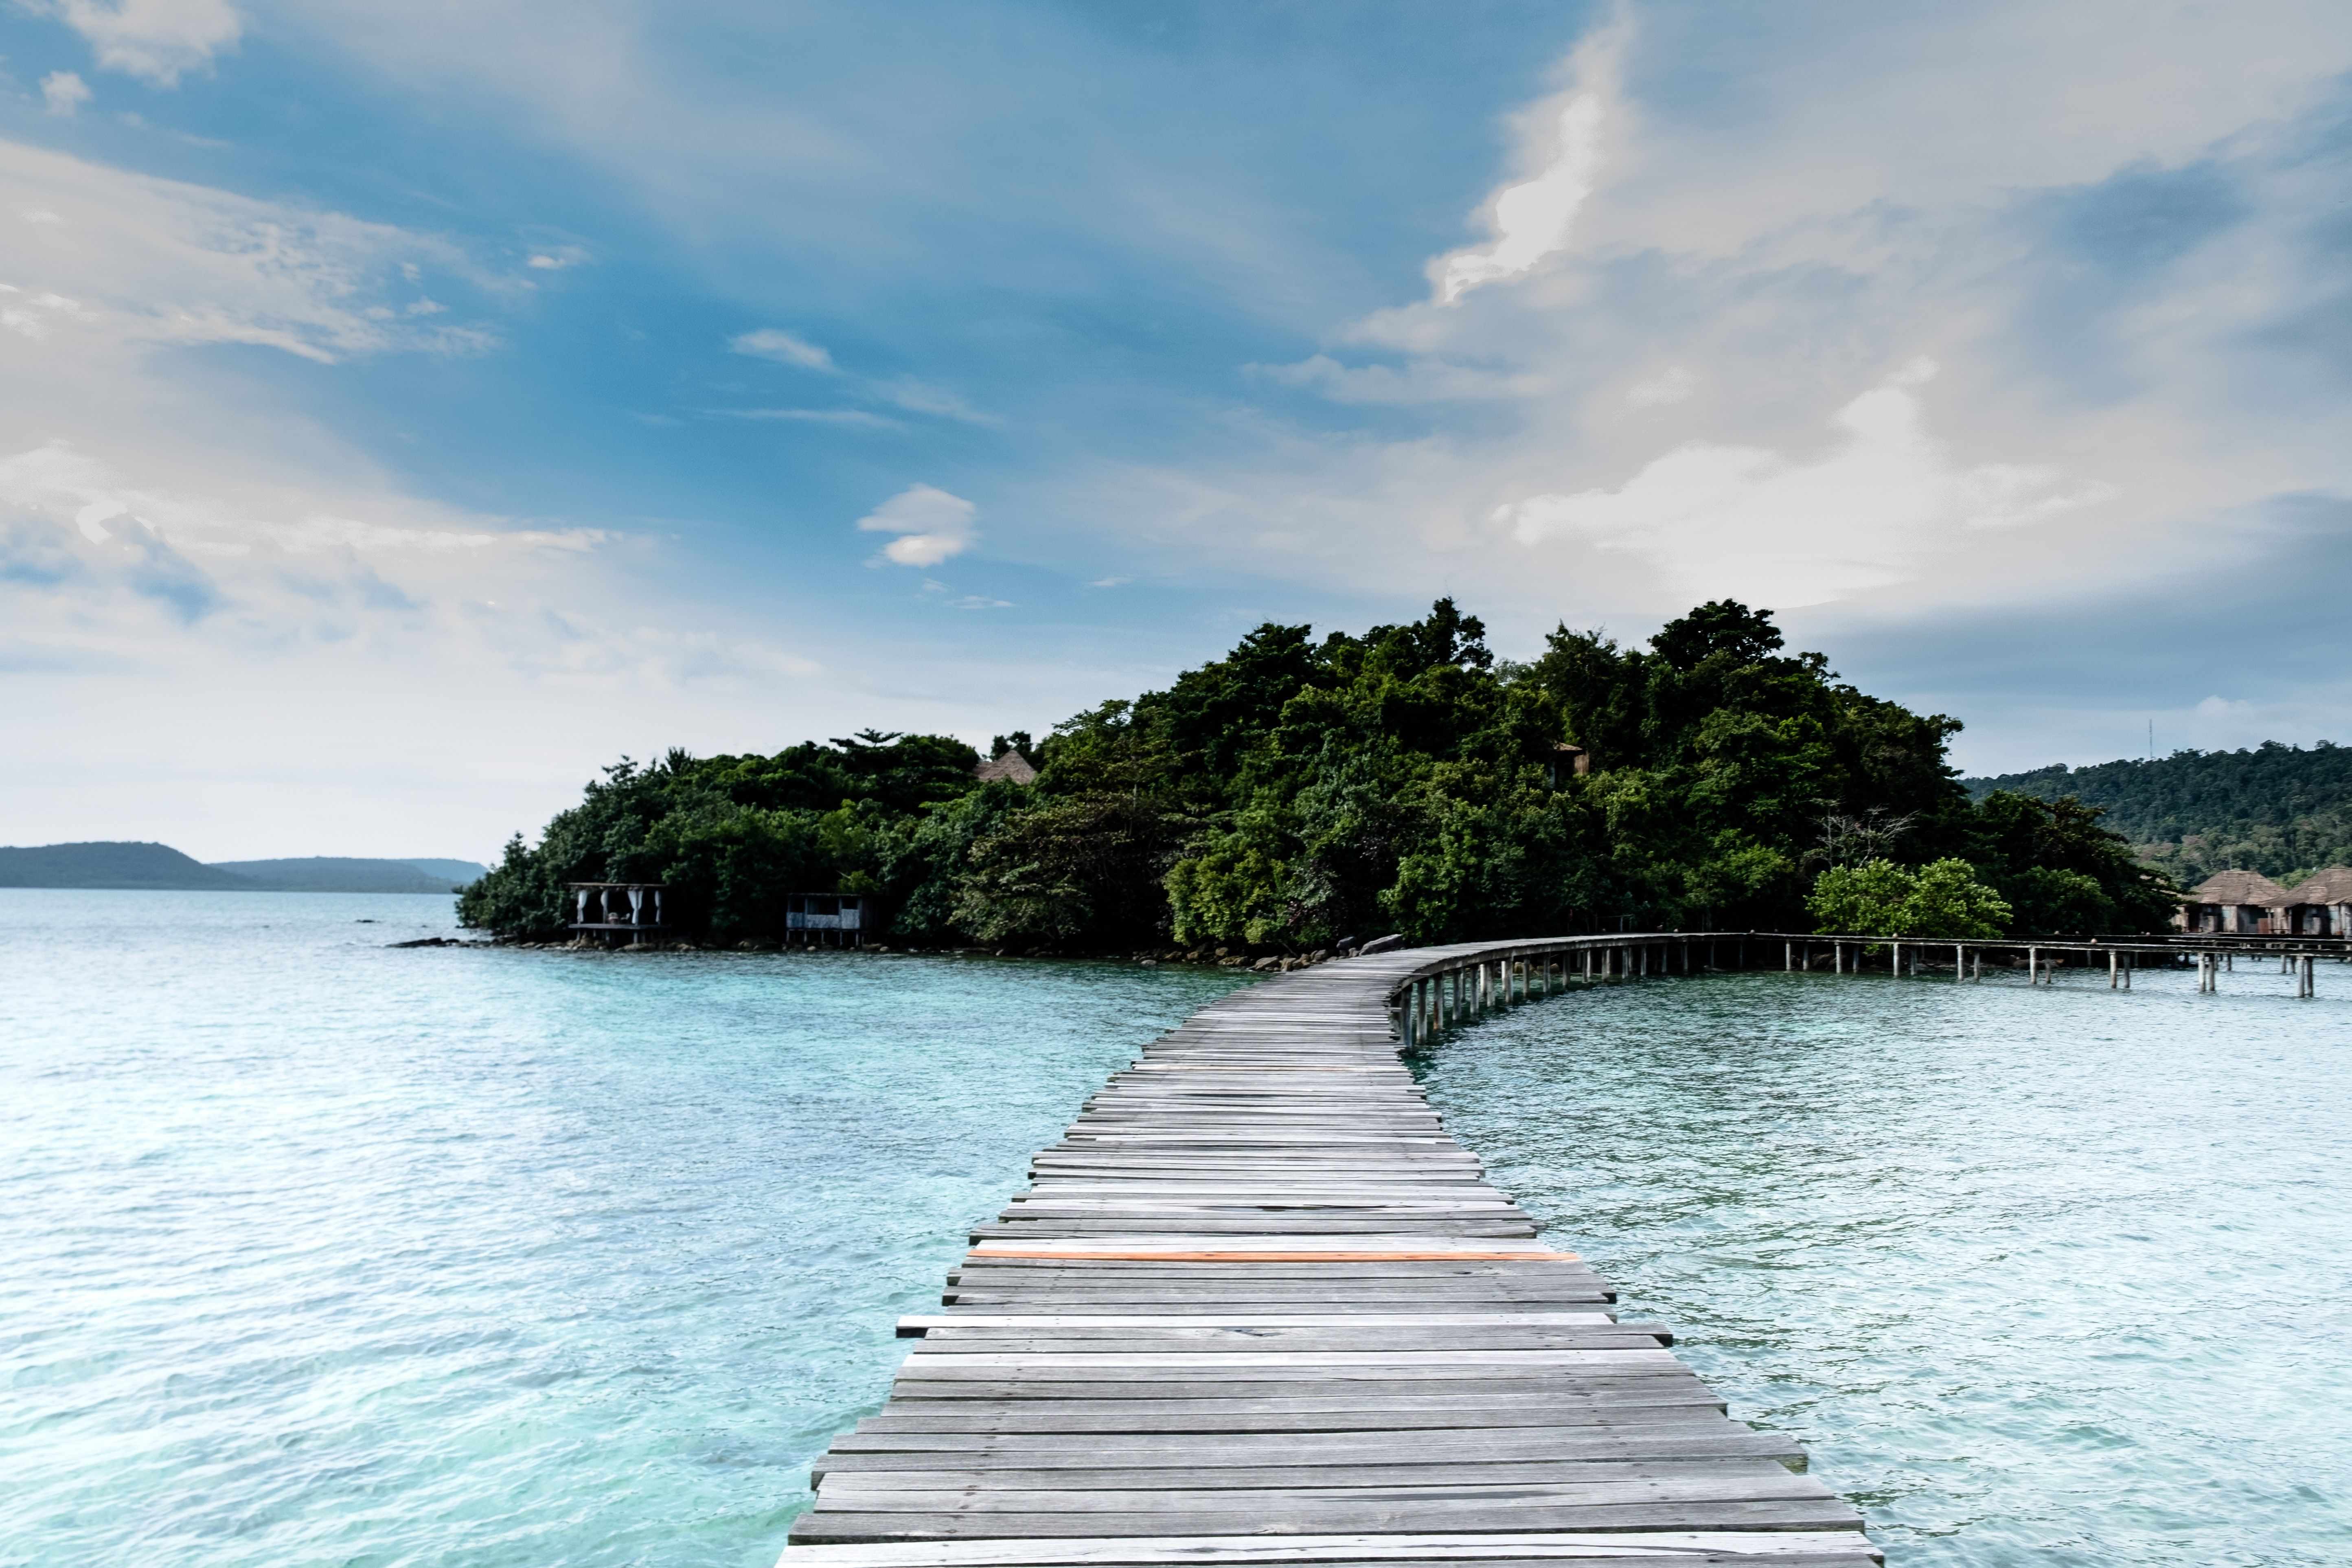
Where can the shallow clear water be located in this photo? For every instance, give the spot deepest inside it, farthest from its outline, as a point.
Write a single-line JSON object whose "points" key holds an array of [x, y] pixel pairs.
{"points": [[2038, 1275], [318, 1252]]}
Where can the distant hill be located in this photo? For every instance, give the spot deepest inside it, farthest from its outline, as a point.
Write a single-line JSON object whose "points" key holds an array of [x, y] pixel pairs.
{"points": [[159, 866], [110, 865], [457, 871], [2277, 809], [340, 874]]}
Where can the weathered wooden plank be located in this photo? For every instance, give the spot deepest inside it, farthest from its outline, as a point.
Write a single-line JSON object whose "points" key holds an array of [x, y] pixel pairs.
{"points": [[1466, 1435], [1363, 1511], [921, 1323], [1226, 1338], [1560, 1386], [1392, 1461], [847, 1483], [1353, 1407], [1786, 1549]]}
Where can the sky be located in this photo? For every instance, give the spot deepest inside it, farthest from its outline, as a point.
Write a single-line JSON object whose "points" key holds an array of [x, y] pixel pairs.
{"points": [[407, 410]]}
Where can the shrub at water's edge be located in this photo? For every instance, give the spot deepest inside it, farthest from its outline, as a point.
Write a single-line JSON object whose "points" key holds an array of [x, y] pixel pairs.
{"points": [[1942, 899], [1298, 791]]}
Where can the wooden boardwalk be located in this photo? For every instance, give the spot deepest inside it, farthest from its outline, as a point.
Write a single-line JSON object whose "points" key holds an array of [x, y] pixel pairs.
{"points": [[1259, 1308]]}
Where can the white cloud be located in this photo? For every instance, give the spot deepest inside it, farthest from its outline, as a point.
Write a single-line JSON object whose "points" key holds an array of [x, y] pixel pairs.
{"points": [[1563, 139], [1747, 520], [931, 525], [915, 396], [775, 344], [856, 418], [921, 397], [148, 262], [63, 92], [154, 40]]}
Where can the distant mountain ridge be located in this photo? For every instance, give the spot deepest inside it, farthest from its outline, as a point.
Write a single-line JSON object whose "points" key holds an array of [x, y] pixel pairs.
{"points": [[2281, 810], [123, 865], [111, 865], [340, 874]]}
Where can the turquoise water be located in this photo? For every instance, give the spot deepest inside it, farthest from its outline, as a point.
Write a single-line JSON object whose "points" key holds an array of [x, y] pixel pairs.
{"points": [[2057, 1275], [322, 1253], [318, 1252]]}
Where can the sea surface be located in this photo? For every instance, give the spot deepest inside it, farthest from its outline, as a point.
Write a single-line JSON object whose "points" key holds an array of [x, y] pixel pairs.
{"points": [[316, 1251], [2047, 1276]]}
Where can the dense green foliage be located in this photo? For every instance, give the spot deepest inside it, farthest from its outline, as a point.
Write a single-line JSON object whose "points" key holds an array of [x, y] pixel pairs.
{"points": [[1300, 792], [1942, 899], [2280, 810]]}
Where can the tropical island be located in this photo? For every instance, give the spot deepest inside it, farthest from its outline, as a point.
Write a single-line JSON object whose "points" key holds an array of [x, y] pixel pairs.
{"points": [[1299, 791]]}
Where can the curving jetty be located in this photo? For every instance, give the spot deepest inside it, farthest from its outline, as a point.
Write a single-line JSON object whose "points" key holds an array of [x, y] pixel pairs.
{"points": [[1258, 1308]]}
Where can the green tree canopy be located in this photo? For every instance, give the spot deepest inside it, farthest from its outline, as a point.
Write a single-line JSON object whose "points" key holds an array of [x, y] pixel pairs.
{"points": [[1879, 898], [1300, 790]]}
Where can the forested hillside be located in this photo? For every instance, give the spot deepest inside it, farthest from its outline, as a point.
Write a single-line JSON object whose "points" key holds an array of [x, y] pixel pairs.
{"points": [[110, 863], [1301, 790], [2280, 810]]}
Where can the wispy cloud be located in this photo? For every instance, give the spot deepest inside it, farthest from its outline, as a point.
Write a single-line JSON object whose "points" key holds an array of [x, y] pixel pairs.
{"points": [[1562, 140], [783, 348], [931, 525], [919, 397], [154, 40], [856, 418], [124, 261]]}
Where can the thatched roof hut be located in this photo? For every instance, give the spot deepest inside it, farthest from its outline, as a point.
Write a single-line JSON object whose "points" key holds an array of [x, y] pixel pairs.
{"points": [[2238, 888], [2321, 904], [2333, 886], [2235, 903], [1012, 766]]}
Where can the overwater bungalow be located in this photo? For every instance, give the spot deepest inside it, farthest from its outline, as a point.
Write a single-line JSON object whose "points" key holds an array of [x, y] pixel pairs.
{"points": [[2236, 903], [809, 917], [2321, 905]]}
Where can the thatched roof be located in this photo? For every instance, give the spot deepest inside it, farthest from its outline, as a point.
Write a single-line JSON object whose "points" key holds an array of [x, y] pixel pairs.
{"points": [[2333, 886], [1011, 766], [2240, 887]]}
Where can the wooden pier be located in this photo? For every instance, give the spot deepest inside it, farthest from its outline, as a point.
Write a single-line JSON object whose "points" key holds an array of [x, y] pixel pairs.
{"points": [[1258, 1308]]}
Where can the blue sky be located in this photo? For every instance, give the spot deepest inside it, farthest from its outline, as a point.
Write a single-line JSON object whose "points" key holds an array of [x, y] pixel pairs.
{"points": [[404, 410]]}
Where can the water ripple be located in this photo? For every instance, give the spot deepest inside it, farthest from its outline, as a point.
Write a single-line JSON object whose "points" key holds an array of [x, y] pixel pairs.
{"points": [[321, 1252], [2054, 1276]]}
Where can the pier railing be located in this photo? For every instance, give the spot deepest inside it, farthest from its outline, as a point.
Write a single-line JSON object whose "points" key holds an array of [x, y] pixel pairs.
{"points": [[1466, 981]]}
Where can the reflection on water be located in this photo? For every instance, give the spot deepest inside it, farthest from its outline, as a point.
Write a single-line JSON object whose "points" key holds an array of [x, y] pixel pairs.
{"points": [[2054, 1276]]}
